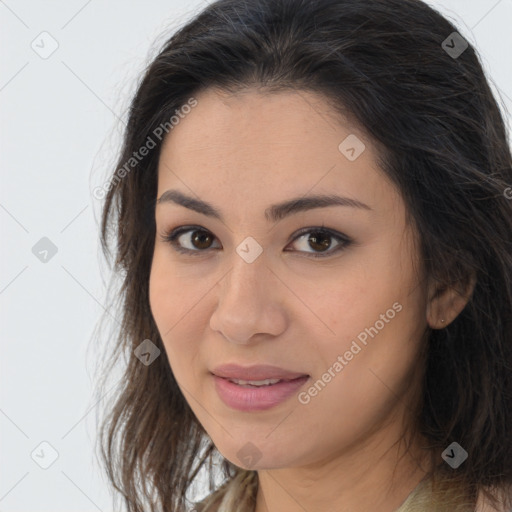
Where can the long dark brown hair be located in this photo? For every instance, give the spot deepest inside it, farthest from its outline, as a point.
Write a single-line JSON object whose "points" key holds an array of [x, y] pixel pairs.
{"points": [[391, 66]]}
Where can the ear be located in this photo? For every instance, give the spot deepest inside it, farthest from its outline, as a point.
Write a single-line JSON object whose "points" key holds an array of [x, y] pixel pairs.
{"points": [[446, 302]]}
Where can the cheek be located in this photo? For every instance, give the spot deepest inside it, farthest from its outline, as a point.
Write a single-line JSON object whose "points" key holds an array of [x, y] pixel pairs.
{"points": [[173, 295], [375, 313], [357, 296], [161, 296], [359, 391], [174, 308]]}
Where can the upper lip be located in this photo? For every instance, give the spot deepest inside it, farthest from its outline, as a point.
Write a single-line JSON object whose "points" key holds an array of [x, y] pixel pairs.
{"points": [[256, 372]]}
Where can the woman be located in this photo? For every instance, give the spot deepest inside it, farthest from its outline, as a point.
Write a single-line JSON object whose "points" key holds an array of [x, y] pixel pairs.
{"points": [[315, 236]]}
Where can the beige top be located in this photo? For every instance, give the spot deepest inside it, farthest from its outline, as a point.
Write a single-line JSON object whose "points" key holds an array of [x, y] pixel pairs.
{"points": [[419, 500]]}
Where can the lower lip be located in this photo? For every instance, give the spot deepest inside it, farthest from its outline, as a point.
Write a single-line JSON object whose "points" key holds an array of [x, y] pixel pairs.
{"points": [[256, 399]]}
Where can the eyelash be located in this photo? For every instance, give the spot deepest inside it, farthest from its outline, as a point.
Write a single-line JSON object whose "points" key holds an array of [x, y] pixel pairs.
{"points": [[171, 236]]}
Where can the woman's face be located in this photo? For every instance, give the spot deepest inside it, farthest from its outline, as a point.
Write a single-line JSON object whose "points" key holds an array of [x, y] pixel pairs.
{"points": [[250, 291]]}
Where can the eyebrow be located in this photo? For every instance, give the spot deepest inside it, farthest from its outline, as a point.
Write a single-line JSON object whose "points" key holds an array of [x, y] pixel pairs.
{"points": [[273, 213]]}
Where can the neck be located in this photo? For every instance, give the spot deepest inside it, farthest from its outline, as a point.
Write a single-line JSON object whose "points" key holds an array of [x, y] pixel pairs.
{"points": [[377, 475]]}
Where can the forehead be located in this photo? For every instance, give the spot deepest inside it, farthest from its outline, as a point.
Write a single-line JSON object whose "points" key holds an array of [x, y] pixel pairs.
{"points": [[254, 118], [264, 147]]}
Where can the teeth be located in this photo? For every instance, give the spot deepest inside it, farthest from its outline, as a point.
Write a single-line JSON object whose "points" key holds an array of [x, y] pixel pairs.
{"points": [[253, 383]]}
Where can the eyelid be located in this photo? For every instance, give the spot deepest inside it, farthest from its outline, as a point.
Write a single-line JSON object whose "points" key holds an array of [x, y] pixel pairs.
{"points": [[343, 240]]}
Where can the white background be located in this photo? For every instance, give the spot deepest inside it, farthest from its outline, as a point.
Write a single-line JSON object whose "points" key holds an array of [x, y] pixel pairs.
{"points": [[61, 120]]}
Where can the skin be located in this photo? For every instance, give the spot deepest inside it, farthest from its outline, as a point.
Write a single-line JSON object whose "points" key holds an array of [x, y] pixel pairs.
{"points": [[242, 153]]}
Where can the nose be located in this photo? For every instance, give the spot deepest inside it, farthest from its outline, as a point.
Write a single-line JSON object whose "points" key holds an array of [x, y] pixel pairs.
{"points": [[250, 302]]}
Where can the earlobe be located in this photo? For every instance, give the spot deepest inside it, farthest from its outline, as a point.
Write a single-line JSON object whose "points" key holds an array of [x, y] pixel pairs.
{"points": [[445, 303]]}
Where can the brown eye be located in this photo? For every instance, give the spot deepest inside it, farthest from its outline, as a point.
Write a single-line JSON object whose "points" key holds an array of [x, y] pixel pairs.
{"points": [[201, 239], [320, 241], [191, 240]]}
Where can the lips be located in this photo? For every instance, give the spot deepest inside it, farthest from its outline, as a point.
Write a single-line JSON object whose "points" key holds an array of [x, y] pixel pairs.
{"points": [[256, 373], [248, 398]]}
